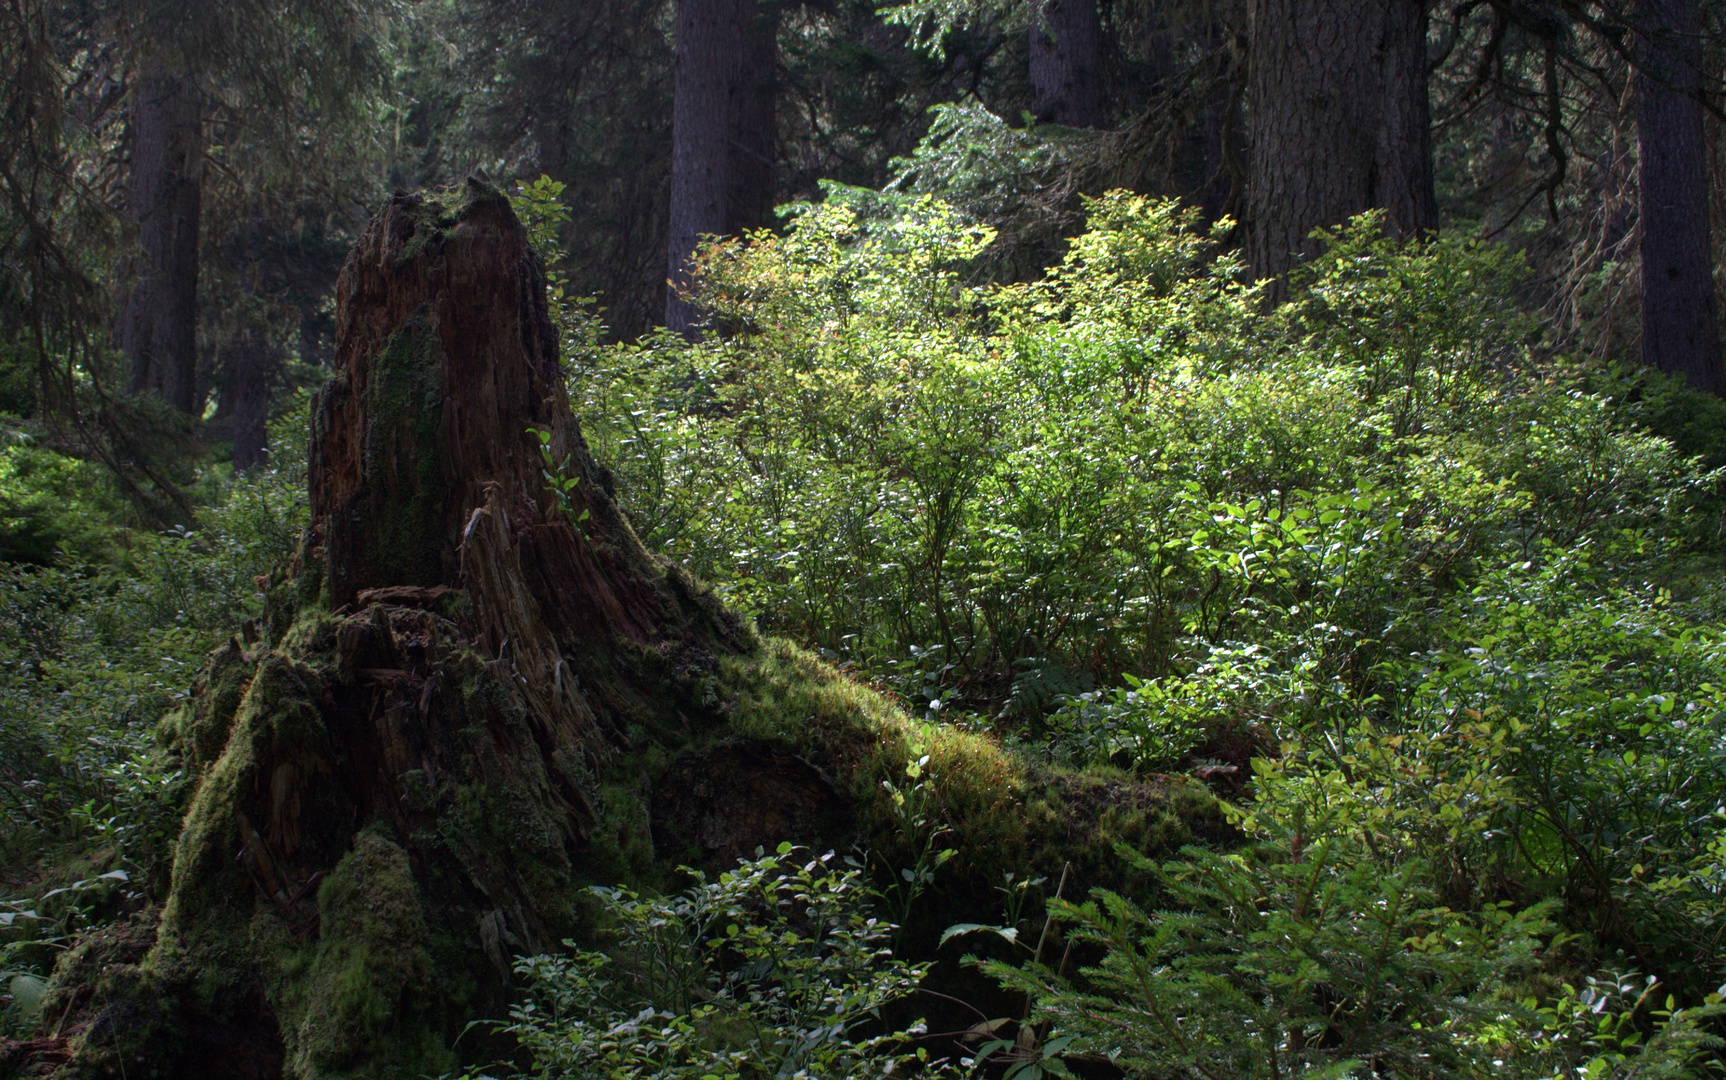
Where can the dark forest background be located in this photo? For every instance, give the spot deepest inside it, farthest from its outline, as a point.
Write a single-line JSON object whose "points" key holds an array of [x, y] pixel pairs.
{"points": [[182, 181]]}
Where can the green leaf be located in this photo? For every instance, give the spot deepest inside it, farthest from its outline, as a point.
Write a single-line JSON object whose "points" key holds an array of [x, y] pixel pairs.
{"points": [[28, 991], [1009, 933]]}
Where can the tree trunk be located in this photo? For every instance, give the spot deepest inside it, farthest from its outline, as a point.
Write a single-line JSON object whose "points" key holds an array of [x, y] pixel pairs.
{"points": [[722, 133], [1338, 116], [158, 325], [1680, 333], [248, 369], [1402, 179], [1067, 63]]}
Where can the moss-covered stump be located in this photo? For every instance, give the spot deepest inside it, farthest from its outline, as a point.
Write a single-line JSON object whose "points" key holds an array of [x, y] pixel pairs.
{"points": [[475, 697], [401, 789]]}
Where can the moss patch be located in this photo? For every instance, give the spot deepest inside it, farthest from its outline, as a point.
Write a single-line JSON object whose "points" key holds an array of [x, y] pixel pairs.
{"points": [[199, 729], [347, 999], [999, 811]]}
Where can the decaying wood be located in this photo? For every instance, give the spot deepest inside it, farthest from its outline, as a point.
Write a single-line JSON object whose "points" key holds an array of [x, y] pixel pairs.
{"points": [[398, 792], [406, 596]]}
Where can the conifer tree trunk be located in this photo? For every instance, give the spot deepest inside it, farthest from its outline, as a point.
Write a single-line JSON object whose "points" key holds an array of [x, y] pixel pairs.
{"points": [[158, 323], [1223, 127], [1067, 63], [243, 408], [1402, 179], [1339, 123], [1680, 330], [722, 132]]}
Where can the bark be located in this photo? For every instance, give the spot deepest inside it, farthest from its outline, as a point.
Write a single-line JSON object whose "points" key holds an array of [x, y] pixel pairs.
{"points": [[1402, 177], [1338, 121], [722, 133], [1067, 63], [248, 369], [1680, 331], [158, 323]]}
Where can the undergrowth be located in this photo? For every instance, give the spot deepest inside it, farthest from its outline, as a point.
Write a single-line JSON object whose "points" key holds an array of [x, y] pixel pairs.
{"points": [[1438, 613]]}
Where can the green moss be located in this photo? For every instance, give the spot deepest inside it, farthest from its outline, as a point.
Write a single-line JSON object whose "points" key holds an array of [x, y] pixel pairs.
{"points": [[991, 800], [784, 695], [278, 717], [501, 820], [342, 1002], [476, 196], [432, 215], [312, 635], [622, 848], [205, 955], [301, 594], [466, 670], [199, 729]]}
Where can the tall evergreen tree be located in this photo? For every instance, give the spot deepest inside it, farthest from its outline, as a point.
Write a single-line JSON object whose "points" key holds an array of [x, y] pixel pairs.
{"points": [[276, 65], [55, 224], [158, 323], [1680, 331], [722, 131], [1067, 63], [1339, 122]]}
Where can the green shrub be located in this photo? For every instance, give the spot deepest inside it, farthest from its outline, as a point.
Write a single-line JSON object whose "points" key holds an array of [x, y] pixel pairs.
{"points": [[883, 458], [1325, 947], [48, 514], [92, 655], [777, 968], [1121, 508]]}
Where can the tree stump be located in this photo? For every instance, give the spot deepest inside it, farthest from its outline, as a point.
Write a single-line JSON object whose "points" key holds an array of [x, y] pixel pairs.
{"points": [[401, 792], [474, 698]]}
